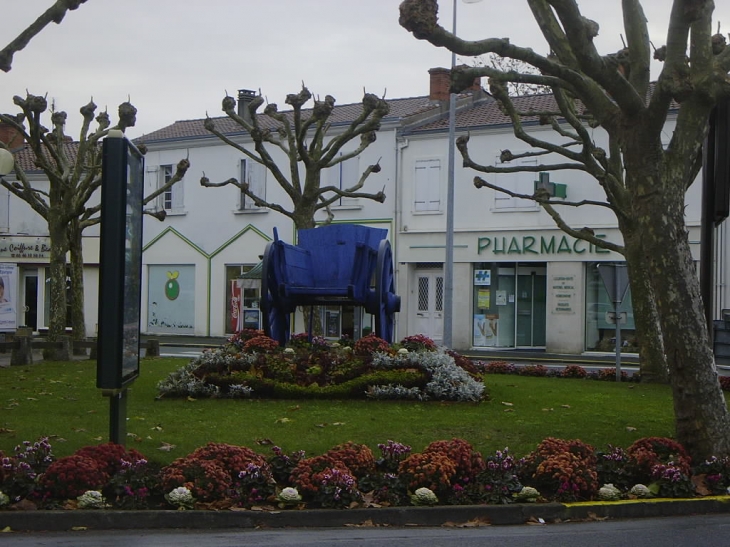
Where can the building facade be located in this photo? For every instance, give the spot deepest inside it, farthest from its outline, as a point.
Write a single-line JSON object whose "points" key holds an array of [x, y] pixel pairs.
{"points": [[519, 282]]}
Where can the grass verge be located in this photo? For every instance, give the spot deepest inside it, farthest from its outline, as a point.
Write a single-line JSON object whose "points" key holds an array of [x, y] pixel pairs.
{"points": [[61, 401]]}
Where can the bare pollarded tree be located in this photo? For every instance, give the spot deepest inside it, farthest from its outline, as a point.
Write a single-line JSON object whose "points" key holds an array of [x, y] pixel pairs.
{"points": [[644, 181], [302, 135], [66, 202], [54, 14]]}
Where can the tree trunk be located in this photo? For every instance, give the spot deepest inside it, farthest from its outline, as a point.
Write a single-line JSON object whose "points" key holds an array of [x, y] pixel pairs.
{"points": [[652, 359], [78, 320], [701, 414], [57, 319]]}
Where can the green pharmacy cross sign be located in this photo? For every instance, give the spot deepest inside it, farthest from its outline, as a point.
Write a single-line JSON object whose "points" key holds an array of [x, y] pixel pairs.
{"points": [[555, 189]]}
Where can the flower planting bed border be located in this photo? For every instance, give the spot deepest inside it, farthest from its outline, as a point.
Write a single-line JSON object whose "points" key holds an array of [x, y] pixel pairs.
{"points": [[512, 514]]}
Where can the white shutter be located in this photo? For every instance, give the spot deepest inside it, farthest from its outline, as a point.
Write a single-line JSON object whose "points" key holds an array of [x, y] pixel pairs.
{"points": [[521, 183], [257, 179], [428, 185], [4, 209]]}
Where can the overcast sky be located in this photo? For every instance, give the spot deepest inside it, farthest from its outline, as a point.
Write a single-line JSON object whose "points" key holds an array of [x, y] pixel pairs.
{"points": [[176, 59]]}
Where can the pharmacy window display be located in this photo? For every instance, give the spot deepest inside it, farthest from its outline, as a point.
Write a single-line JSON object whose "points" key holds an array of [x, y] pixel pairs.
{"points": [[509, 304]]}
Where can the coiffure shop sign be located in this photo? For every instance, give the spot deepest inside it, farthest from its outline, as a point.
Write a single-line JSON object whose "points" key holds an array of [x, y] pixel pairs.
{"points": [[15, 248]]}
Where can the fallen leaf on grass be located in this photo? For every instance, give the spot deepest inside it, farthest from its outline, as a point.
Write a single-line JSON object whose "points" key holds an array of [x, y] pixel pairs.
{"points": [[293, 408], [505, 403], [283, 420], [166, 447], [92, 411], [97, 438], [79, 528], [31, 399], [509, 409], [547, 409], [629, 428], [565, 406], [338, 423], [321, 425], [191, 398], [134, 436], [264, 442], [5, 430], [78, 429], [156, 428]]}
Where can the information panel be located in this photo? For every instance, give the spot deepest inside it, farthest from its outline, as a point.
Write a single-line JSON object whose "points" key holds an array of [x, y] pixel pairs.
{"points": [[120, 264]]}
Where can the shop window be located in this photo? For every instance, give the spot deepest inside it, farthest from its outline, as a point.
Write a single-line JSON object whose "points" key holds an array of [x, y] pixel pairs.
{"points": [[600, 333], [242, 299], [171, 299]]}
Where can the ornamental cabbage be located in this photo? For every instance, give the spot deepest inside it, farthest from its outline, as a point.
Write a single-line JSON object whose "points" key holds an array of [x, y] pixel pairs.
{"points": [[608, 492], [640, 491], [528, 494], [91, 499], [424, 496]]}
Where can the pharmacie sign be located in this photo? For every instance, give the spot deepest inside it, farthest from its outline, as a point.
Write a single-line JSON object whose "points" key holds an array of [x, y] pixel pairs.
{"points": [[537, 244], [16, 247]]}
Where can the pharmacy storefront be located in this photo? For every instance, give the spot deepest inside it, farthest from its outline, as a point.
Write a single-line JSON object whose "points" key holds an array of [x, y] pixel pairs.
{"points": [[515, 290]]}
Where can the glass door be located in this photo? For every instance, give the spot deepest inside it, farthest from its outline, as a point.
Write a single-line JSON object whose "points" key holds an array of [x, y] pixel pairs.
{"points": [[530, 306]]}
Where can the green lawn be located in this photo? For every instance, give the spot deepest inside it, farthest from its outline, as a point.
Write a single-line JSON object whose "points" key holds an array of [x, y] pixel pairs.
{"points": [[60, 400]]}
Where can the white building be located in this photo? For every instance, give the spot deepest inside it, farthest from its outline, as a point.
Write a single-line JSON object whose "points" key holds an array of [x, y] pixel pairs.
{"points": [[519, 281]]}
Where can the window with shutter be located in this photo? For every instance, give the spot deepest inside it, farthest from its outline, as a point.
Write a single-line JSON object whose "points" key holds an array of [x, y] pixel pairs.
{"points": [[428, 185], [344, 175], [255, 175], [521, 183], [171, 200]]}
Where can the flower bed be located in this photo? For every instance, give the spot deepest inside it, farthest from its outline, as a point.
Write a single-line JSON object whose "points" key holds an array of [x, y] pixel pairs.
{"points": [[222, 476], [252, 365]]}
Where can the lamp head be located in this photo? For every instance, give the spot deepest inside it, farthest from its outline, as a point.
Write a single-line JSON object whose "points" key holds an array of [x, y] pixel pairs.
{"points": [[7, 162]]}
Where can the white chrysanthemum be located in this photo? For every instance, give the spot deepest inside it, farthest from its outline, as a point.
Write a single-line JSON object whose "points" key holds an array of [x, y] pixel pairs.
{"points": [[91, 499], [335, 345], [608, 492], [640, 491], [289, 350], [4, 500], [289, 495], [527, 494], [403, 351], [424, 496]]}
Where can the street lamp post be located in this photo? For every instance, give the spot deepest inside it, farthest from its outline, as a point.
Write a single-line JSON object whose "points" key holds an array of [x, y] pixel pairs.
{"points": [[449, 258]]}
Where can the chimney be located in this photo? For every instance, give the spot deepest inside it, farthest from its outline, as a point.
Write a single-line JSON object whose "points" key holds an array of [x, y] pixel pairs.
{"points": [[245, 96], [441, 83], [10, 136]]}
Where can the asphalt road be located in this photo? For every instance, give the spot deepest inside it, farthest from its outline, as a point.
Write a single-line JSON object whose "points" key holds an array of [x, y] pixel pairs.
{"points": [[689, 531]]}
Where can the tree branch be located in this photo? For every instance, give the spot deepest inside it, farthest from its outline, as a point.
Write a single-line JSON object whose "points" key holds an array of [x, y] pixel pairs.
{"points": [[54, 14]]}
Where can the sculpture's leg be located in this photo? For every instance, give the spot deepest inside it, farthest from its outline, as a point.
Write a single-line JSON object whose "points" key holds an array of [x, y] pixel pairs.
{"points": [[388, 301]]}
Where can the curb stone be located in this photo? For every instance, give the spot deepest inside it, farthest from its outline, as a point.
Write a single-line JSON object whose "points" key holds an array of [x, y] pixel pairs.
{"points": [[60, 520]]}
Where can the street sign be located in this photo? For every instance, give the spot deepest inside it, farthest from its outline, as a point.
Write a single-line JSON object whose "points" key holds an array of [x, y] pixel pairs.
{"points": [[616, 280]]}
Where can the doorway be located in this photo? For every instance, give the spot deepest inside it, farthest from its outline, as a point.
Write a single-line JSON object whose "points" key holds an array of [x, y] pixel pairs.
{"points": [[29, 302], [429, 319]]}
